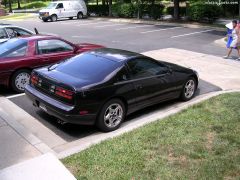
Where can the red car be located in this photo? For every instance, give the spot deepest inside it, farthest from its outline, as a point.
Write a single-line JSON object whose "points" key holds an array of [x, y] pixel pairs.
{"points": [[19, 56]]}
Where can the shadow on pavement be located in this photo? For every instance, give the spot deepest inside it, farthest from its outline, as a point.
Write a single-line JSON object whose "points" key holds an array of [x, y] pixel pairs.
{"points": [[71, 132]]}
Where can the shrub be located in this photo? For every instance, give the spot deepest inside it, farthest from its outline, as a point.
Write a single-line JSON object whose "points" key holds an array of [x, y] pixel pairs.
{"points": [[101, 10], [199, 12], [170, 10], [123, 10]]}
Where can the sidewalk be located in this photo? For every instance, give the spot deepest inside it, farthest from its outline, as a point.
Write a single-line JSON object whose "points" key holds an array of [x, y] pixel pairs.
{"points": [[15, 146]]}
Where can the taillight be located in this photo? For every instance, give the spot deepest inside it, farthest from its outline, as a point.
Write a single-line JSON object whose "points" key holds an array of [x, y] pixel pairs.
{"points": [[64, 93], [34, 79]]}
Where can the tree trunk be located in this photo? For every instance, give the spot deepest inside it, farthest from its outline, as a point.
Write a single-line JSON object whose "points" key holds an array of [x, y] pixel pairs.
{"points": [[110, 8], [176, 9], [239, 8], [19, 4], [10, 5], [103, 2], [152, 8]]}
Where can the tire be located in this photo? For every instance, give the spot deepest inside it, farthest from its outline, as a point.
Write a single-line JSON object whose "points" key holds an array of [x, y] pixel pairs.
{"points": [[117, 115], [80, 15], [189, 89], [71, 18], [45, 20], [20, 79], [54, 18]]}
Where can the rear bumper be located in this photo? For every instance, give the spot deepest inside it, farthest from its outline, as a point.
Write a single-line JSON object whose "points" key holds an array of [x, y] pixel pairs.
{"points": [[57, 109]]}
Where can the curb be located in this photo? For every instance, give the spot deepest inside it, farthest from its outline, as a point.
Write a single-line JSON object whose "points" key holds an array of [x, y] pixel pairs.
{"points": [[187, 25], [155, 116], [24, 133]]}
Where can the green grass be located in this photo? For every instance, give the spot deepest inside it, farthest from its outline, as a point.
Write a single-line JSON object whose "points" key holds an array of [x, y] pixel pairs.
{"points": [[31, 5], [202, 142]]}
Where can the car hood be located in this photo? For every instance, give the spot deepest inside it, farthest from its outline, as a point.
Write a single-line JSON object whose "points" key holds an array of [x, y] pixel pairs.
{"points": [[44, 10]]}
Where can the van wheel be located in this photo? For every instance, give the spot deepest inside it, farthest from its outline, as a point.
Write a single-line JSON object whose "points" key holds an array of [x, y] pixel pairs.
{"points": [[80, 15], [54, 18], [71, 18], [20, 79], [111, 116]]}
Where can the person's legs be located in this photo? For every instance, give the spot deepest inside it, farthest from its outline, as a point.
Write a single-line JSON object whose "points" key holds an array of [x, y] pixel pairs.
{"points": [[229, 52]]}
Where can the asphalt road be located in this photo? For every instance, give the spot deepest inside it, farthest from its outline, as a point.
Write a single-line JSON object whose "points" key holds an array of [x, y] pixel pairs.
{"points": [[133, 37]]}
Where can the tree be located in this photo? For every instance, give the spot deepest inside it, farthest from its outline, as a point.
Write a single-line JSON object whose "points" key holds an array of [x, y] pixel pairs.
{"points": [[10, 5], [19, 4], [176, 9], [110, 7]]}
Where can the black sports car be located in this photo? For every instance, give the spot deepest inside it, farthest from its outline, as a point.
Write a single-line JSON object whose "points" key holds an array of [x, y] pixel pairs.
{"points": [[103, 86]]}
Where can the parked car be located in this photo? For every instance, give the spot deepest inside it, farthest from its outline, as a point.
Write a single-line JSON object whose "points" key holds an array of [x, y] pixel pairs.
{"points": [[19, 56], [8, 31], [63, 9], [102, 86]]}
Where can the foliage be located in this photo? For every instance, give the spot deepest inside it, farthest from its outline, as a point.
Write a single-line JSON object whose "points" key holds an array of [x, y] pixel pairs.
{"points": [[201, 11], [101, 10], [123, 10]]}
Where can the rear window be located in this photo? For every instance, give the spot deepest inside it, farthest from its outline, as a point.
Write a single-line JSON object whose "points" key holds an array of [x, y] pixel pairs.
{"points": [[13, 48], [87, 66]]}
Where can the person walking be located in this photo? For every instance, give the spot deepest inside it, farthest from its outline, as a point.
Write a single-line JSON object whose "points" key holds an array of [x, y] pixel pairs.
{"points": [[235, 40]]}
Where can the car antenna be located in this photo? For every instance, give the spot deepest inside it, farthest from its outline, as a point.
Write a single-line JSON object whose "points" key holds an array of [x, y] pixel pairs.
{"points": [[36, 31]]}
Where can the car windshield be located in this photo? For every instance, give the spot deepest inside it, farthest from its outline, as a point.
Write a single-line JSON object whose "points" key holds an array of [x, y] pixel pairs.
{"points": [[87, 66], [11, 45], [51, 6], [3, 34]]}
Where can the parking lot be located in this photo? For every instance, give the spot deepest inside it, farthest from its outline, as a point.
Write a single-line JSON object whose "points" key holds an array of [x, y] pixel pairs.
{"points": [[138, 37]]}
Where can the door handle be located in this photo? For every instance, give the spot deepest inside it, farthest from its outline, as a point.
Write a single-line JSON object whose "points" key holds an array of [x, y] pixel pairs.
{"points": [[138, 86]]}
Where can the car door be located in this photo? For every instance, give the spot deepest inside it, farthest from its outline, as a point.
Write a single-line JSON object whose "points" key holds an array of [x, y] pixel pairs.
{"points": [[152, 81], [53, 50], [60, 10]]}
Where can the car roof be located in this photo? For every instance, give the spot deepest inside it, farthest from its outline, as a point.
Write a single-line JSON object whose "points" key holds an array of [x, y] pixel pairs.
{"points": [[38, 36], [114, 54]]}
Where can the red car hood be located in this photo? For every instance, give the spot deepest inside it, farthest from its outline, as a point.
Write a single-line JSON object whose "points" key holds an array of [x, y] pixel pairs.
{"points": [[87, 46]]}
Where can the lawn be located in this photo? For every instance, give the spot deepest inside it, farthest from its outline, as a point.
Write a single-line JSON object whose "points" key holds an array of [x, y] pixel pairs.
{"points": [[202, 142], [31, 5]]}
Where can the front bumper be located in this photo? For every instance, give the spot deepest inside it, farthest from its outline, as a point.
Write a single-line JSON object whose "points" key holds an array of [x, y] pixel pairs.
{"points": [[57, 109]]}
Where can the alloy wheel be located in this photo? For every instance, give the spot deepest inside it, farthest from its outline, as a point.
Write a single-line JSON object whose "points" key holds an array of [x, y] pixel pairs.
{"points": [[113, 115]]}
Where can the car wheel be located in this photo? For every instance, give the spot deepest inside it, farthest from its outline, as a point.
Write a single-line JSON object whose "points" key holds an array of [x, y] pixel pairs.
{"points": [[80, 15], [189, 89], [71, 18], [111, 116], [54, 18], [20, 79], [45, 20]]}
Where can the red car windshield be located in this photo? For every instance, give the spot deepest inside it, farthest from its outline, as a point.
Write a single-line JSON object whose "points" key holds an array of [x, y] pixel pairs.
{"points": [[13, 47]]}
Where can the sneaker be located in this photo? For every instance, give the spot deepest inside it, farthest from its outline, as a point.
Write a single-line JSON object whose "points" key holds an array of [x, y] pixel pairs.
{"points": [[225, 57]]}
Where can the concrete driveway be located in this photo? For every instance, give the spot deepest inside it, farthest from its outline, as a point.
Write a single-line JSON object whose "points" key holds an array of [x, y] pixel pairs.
{"points": [[215, 73]]}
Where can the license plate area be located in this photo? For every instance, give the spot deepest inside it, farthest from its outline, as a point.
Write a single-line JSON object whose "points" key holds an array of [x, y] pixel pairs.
{"points": [[43, 107]]}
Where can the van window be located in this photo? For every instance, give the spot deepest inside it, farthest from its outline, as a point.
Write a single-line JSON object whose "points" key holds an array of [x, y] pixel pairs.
{"points": [[51, 6], [59, 6]]}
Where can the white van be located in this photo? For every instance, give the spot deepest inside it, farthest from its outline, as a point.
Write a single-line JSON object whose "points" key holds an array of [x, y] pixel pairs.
{"points": [[63, 9]]}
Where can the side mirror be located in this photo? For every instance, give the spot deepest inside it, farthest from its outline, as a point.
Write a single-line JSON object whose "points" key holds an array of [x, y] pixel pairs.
{"points": [[36, 31]]}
